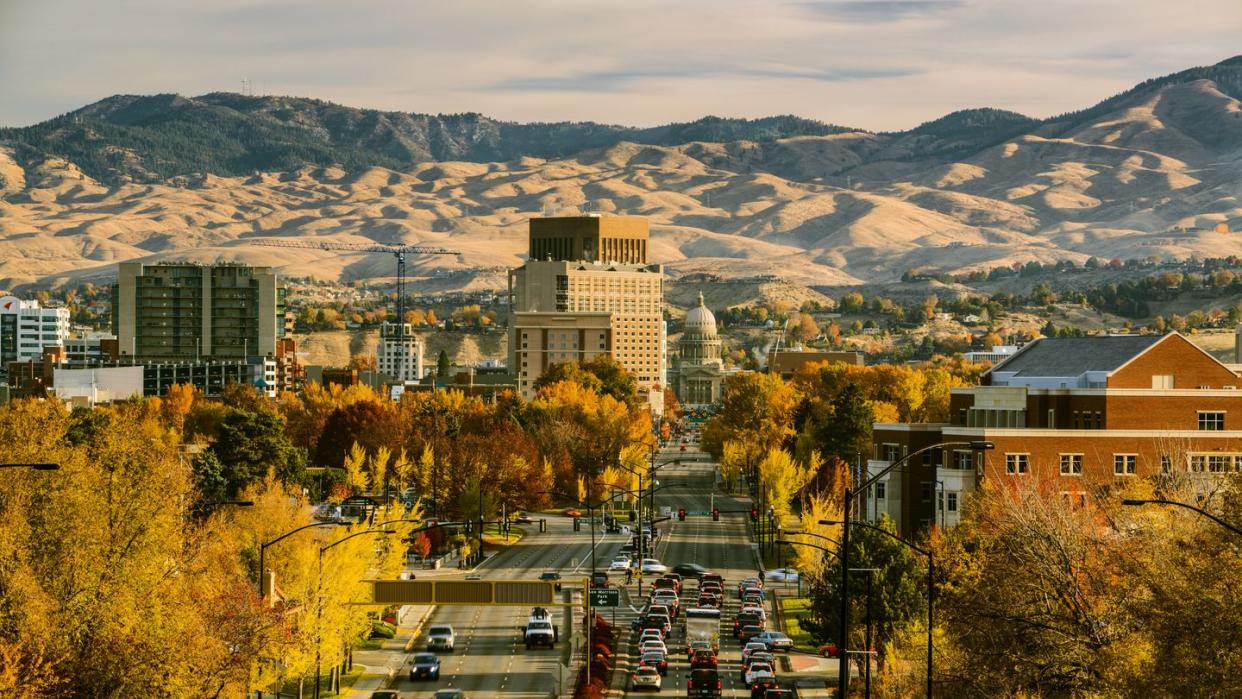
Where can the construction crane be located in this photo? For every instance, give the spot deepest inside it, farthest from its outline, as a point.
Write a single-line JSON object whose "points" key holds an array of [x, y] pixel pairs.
{"points": [[398, 251]]}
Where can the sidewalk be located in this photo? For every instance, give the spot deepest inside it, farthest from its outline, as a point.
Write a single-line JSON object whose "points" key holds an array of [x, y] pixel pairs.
{"points": [[382, 665]]}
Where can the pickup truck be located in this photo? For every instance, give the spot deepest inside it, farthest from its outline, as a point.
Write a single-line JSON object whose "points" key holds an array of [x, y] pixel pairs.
{"points": [[539, 630]]}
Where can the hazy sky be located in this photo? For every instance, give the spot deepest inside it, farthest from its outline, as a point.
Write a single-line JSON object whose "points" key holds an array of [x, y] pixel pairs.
{"points": [[876, 64]]}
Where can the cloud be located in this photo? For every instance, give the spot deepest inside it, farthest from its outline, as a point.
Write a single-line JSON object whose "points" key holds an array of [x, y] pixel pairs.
{"points": [[875, 11], [594, 81]]}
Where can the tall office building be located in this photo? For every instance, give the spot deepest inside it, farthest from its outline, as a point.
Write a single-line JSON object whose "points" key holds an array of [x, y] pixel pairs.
{"points": [[187, 312], [400, 353], [587, 290], [26, 328]]}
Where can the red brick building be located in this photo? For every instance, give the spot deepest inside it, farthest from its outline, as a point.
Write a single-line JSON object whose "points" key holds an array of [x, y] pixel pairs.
{"points": [[1080, 414]]}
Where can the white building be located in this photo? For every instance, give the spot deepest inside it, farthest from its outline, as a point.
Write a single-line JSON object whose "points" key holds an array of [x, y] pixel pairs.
{"points": [[400, 352], [99, 385], [26, 328]]}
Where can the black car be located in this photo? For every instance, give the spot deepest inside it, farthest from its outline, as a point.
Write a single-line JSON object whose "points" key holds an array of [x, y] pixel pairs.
{"points": [[704, 683], [779, 694], [690, 570], [552, 576], [762, 686], [426, 665]]}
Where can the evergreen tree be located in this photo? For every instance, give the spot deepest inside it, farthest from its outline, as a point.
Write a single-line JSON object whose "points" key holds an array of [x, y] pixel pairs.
{"points": [[442, 366]]}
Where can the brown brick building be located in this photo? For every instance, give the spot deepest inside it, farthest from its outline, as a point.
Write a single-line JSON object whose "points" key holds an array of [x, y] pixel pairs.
{"points": [[1079, 414]]}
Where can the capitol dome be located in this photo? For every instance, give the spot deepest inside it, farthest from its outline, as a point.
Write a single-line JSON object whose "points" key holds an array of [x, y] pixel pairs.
{"points": [[699, 343], [700, 320]]}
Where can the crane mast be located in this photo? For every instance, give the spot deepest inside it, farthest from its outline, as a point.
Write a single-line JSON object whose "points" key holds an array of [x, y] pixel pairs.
{"points": [[397, 251]]}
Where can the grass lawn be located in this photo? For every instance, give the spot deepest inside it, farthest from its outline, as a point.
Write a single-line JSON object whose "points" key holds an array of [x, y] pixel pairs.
{"points": [[793, 609], [494, 536]]}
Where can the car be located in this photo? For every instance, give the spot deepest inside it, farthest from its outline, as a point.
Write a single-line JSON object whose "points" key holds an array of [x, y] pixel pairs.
{"points": [[690, 570], [775, 640], [750, 581], [748, 632], [665, 584], [645, 677], [759, 657], [704, 658], [696, 646], [762, 685], [754, 609], [523, 518], [655, 608], [683, 447], [828, 650], [749, 647], [441, 637], [677, 577], [781, 575], [539, 614], [651, 634], [619, 563], [652, 646], [571, 512], [448, 693], [656, 660], [652, 566], [778, 693], [426, 665], [658, 621], [707, 599], [599, 579], [715, 578], [748, 619], [756, 670], [704, 683], [474, 576], [385, 694]]}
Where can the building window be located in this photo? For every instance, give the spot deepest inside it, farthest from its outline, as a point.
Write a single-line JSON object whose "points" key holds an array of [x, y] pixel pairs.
{"points": [[1166, 464], [1125, 464], [1162, 381], [1077, 419], [961, 416], [1071, 464], [951, 499], [1017, 464], [879, 491], [1099, 420], [926, 491], [963, 460], [1211, 421]]}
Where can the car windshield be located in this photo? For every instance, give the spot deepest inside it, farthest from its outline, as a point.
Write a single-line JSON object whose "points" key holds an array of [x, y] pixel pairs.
{"points": [[645, 670], [424, 658], [441, 630], [539, 625]]}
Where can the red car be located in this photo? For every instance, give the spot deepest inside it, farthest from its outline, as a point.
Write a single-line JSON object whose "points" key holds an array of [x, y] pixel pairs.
{"points": [[571, 512], [829, 650], [655, 660], [703, 659]]}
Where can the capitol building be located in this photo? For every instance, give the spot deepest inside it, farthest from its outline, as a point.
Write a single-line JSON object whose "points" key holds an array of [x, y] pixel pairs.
{"points": [[699, 378]]}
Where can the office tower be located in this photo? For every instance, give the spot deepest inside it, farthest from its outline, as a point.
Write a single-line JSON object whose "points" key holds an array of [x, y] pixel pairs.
{"points": [[587, 290], [400, 353], [187, 311], [26, 328]]}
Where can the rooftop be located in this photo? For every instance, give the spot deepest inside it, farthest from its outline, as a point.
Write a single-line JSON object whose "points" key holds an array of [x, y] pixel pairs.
{"points": [[1074, 356]]}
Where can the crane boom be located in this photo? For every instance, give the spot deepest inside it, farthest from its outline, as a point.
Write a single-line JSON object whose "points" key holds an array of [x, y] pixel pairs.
{"points": [[398, 251]]}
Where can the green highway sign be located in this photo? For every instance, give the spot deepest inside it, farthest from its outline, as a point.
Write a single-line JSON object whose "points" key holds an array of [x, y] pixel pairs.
{"points": [[605, 597]]}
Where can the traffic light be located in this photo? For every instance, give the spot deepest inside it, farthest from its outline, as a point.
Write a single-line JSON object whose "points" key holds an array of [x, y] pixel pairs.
{"points": [[681, 515], [715, 514], [754, 514]]}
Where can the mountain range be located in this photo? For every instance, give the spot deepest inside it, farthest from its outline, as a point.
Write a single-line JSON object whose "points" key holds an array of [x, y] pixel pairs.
{"points": [[1153, 171]]}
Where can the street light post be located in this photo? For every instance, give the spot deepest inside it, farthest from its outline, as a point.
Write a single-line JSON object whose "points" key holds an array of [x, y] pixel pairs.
{"points": [[931, 574], [319, 596], [850, 494], [282, 537], [1175, 503]]}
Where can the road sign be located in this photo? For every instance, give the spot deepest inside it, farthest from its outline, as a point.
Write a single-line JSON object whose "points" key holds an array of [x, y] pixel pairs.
{"points": [[464, 592], [605, 597]]}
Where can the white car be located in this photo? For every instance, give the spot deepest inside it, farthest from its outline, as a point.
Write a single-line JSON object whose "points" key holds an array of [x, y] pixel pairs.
{"points": [[652, 647], [753, 647], [619, 564], [652, 566], [782, 575], [645, 677], [756, 671], [655, 635]]}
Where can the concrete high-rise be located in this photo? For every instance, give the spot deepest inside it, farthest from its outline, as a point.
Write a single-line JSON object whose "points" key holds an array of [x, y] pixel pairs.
{"points": [[587, 290], [26, 328], [177, 312], [400, 353]]}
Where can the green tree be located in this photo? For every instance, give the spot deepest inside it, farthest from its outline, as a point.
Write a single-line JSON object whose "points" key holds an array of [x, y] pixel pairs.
{"points": [[442, 366], [847, 430], [249, 445]]}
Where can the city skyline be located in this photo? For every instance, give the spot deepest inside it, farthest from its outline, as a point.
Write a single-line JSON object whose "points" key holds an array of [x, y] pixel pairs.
{"points": [[879, 65]]}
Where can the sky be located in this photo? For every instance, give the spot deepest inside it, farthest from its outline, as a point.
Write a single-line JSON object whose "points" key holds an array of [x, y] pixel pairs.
{"points": [[872, 64]]}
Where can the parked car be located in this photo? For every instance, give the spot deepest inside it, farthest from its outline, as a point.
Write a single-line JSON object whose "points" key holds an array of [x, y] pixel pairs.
{"points": [[775, 640], [645, 677], [426, 666], [690, 570], [441, 637], [782, 575]]}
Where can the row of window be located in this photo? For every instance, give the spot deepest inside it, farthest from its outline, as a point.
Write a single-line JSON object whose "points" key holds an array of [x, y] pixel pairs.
{"points": [[947, 500], [1127, 464]]}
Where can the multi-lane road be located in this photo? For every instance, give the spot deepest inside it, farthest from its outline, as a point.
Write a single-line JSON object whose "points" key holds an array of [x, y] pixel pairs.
{"points": [[490, 658]]}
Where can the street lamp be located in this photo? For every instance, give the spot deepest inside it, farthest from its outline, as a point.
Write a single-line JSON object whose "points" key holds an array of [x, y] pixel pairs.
{"points": [[282, 537], [931, 568], [319, 595], [850, 494], [36, 467], [1205, 513]]}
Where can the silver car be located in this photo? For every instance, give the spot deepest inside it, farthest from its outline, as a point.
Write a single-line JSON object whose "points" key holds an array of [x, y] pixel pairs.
{"points": [[441, 637], [645, 677]]}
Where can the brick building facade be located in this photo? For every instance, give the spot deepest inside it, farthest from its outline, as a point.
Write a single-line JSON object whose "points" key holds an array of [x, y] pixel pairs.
{"points": [[1079, 414]]}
